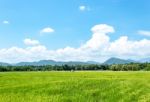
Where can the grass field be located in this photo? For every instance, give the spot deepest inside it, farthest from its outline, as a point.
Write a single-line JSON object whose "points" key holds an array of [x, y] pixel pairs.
{"points": [[75, 86]]}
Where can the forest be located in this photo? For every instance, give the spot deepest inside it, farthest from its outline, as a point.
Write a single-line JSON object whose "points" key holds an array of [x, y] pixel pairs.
{"points": [[65, 67]]}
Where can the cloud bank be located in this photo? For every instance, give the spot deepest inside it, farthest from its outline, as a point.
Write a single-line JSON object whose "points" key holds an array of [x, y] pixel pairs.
{"points": [[97, 48]]}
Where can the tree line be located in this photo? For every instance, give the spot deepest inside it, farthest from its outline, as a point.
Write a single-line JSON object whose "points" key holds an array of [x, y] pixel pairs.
{"points": [[113, 67]]}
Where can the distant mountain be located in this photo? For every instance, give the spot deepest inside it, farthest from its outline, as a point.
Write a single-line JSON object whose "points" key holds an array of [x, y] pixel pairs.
{"points": [[38, 63], [52, 62], [4, 64], [112, 60], [117, 61], [144, 60], [92, 62]]}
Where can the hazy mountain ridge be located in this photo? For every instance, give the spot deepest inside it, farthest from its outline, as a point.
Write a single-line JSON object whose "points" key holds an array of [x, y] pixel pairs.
{"points": [[112, 60], [144, 60], [4, 64], [52, 62]]}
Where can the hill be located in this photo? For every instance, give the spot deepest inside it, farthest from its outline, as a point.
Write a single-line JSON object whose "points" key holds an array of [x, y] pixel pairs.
{"points": [[117, 61]]}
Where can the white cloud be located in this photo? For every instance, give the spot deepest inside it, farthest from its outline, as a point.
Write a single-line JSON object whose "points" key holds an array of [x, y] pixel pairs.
{"points": [[47, 30], [84, 8], [125, 47], [97, 48], [31, 42], [99, 37], [5, 22], [143, 32]]}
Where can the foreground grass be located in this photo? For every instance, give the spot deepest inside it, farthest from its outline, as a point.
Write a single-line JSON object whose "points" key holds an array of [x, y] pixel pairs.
{"points": [[75, 87]]}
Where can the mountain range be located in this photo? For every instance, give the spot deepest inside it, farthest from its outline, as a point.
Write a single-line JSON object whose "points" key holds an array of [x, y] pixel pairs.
{"points": [[110, 61], [52, 62]]}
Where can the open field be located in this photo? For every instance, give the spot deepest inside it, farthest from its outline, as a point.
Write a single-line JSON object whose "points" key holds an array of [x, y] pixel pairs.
{"points": [[75, 86]]}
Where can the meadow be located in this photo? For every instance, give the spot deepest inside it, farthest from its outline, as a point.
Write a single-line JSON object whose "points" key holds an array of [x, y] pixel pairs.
{"points": [[81, 86]]}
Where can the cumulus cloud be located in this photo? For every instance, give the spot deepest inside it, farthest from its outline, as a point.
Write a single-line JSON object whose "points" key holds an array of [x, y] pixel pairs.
{"points": [[5, 22], [47, 30], [99, 38], [31, 42], [97, 48], [143, 32]]}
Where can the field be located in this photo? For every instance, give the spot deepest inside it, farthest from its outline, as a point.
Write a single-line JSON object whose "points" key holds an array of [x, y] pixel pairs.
{"points": [[83, 86]]}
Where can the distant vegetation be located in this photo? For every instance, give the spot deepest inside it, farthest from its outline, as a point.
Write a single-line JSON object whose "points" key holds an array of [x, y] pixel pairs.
{"points": [[114, 64], [65, 67]]}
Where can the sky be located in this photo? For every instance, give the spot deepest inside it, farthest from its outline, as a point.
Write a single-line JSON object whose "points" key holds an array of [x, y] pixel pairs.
{"points": [[74, 30]]}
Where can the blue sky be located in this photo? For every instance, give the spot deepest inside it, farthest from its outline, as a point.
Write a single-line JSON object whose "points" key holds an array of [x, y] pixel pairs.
{"points": [[71, 21]]}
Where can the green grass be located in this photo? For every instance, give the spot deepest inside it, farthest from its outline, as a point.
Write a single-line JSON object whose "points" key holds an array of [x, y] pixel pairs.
{"points": [[75, 86]]}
